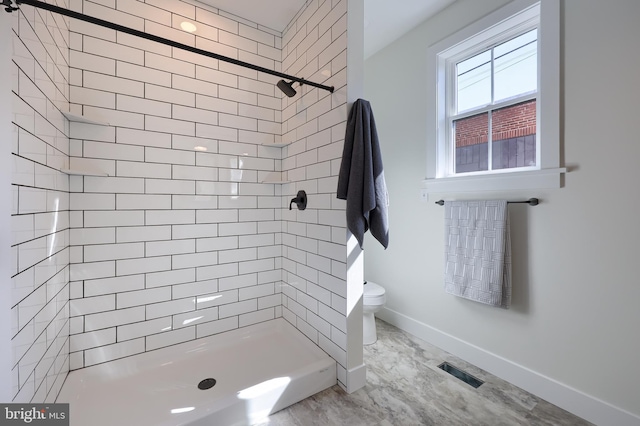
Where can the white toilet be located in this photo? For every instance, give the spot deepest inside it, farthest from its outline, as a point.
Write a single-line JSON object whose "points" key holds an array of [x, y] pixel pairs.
{"points": [[374, 299]]}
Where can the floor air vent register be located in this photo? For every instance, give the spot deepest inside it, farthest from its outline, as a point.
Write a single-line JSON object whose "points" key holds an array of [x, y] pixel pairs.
{"points": [[459, 374]]}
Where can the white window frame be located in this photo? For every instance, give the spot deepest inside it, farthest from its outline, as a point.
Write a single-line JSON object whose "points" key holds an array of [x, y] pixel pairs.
{"points": [[546, 174]]}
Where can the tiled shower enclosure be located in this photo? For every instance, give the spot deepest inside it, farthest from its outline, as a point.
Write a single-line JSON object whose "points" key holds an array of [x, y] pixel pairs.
{"points": [[159, 213]]}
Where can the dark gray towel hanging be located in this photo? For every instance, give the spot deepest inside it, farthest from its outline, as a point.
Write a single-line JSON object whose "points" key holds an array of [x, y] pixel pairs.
{"points": [[361, 180]]}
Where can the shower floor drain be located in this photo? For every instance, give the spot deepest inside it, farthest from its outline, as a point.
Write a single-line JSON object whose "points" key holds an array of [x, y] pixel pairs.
{"points": [[459, 374], [207, 384]]}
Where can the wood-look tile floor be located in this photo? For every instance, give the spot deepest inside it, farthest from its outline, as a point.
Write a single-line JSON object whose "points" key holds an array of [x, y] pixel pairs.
{"points": [[405, 387]]}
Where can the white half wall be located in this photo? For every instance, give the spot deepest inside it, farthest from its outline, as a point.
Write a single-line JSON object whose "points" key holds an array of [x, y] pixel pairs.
{"points": [[571, 335], [356, 374]]}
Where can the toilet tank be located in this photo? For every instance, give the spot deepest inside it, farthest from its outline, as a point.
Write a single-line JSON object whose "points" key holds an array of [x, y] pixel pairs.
{"points": [[373, 294]]}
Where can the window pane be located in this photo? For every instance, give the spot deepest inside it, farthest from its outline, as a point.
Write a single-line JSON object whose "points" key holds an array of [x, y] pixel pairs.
{"points": [[516, 66], [513, 135], [471, 135], [473, 77]]}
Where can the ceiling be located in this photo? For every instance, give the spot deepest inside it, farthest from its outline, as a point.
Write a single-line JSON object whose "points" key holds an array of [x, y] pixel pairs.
{"points": [[275, 14], [385, 20]]}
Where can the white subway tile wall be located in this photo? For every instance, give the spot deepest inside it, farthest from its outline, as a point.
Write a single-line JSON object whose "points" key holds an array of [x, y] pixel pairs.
{"points": [[40, 221], [314, 45]]}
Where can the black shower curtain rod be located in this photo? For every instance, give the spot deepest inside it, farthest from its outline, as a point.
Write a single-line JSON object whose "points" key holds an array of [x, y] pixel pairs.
{"points": [[76, 15]]}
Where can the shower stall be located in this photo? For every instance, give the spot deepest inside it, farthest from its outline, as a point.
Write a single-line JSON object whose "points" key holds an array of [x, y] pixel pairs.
{"points": [[151, 186]]}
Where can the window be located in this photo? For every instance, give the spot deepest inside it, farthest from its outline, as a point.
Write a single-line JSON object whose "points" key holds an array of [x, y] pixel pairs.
{"points": [[494, 111], [491, 119]]}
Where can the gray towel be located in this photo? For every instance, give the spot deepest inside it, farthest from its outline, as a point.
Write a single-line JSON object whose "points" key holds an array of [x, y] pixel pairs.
{"points": [[361, 180], [478, 251]]}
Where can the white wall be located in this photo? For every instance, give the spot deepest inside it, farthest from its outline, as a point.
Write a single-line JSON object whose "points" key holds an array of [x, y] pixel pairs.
{"points": [[573, 321], [39, 143]]}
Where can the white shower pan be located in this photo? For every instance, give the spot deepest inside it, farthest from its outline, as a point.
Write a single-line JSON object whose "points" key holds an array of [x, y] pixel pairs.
{"points": [[258, 370]]}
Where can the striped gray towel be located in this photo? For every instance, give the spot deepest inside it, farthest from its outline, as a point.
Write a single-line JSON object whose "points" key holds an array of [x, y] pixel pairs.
{"points": [[478, 251]]}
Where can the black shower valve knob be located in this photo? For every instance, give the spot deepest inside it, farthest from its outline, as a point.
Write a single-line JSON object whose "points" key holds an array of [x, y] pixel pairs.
{"points": [[300, 200]]}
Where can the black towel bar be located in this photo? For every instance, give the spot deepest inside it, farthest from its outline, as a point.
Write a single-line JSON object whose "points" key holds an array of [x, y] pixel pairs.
{"points": [[530, 201]]}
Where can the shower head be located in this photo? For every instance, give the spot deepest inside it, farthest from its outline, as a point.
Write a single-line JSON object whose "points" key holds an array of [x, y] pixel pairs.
{"points": [[287, 88]]}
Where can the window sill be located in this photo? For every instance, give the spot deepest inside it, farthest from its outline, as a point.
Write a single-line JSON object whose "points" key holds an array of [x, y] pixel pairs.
{"points": [[537, 179]]}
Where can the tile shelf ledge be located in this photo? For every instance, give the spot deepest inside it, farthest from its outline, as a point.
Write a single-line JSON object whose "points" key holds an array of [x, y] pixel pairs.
{"points": [[79, 172], [276, 145], [82, 119], [275, 177]]}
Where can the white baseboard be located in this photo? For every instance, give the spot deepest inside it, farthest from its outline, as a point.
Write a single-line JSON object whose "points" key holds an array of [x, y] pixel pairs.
{"points": [[356, 378], [588, 407]]}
